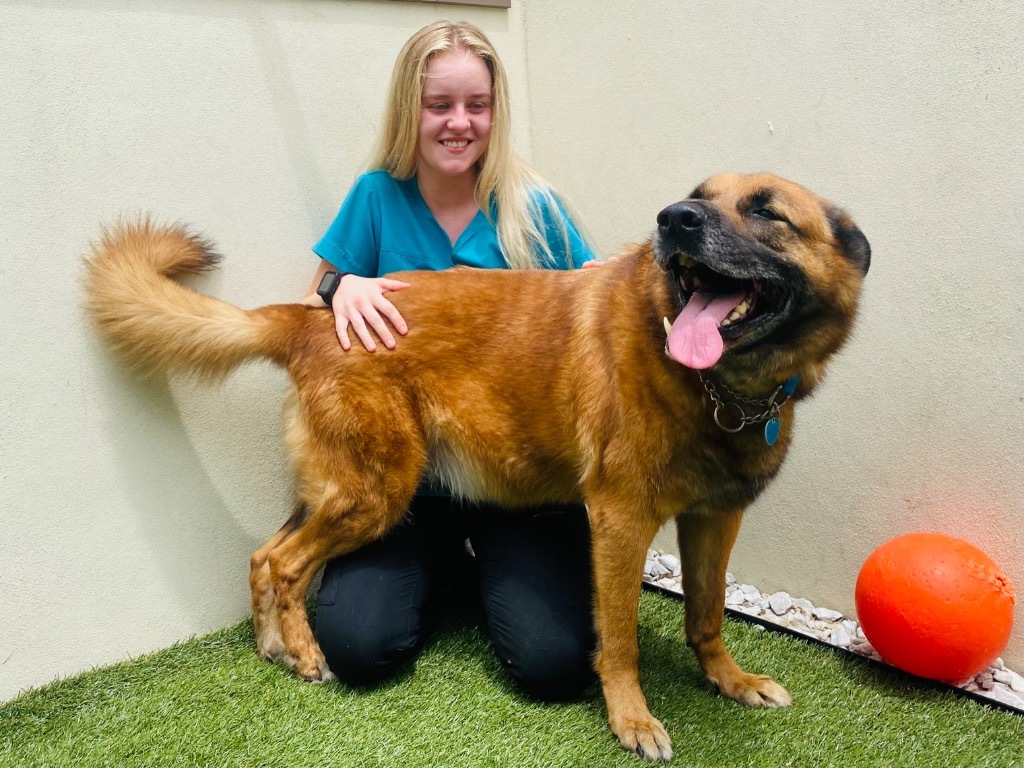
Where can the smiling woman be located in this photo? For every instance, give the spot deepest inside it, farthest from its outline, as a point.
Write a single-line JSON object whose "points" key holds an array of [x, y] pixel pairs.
{"points": [[455, 129], [446, 189]]}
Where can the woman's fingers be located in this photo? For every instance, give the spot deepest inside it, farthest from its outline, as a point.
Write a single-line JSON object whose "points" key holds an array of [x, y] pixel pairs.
{"points": [[341, 326], [375, 321], [358, 320], [390, 311]]}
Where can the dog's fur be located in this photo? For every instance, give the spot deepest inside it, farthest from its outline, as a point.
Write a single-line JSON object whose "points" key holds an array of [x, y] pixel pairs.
{"points": [[523, 388]]}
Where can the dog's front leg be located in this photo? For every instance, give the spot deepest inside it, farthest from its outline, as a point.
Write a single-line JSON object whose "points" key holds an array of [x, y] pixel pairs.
{"points": [[705, 542], [621, 536]]}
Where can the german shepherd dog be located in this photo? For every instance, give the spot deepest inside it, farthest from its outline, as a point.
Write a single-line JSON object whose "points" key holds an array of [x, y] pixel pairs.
{"points": [[660, 386]]}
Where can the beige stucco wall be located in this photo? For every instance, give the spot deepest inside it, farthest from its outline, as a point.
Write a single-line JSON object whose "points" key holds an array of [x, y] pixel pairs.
{"points": [[130, 508]]}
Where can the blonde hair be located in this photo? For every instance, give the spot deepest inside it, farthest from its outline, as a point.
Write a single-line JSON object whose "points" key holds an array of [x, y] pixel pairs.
{"points": [[518, 192]]}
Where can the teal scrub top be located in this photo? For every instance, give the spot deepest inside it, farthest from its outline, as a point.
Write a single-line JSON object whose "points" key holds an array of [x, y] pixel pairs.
{"points": [[384, 226]]}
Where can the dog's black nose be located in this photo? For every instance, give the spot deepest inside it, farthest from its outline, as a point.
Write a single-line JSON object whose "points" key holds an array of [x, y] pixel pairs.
{"points": [[681, 218]]}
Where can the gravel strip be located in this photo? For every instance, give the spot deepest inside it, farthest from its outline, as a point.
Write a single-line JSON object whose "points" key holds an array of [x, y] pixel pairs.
{"points": [[997, 682]]}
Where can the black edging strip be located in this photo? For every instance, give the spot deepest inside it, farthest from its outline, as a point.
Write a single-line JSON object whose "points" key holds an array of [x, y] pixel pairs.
{"points": [[779, 629]]}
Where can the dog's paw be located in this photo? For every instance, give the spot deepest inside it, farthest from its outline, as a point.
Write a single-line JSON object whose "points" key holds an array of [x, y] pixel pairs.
{"points": [[754, 691], [313, 669], [271, 648], [646, 738]]}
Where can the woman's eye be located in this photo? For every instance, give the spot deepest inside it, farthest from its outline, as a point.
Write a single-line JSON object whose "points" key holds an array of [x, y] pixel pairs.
{"points": [[478, 106], [440, 107]]}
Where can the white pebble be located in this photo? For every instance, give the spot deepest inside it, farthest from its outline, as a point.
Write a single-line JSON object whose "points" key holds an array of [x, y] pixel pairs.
{"points": [[729, 579], [749, 589], [734, 599], [672, 583], [1001, 676], [1007, 697], [827, 614], [840, 637], [671, 562], [803, 604], [1016, 682], [866, 649], [658, 570], [780, 603]]}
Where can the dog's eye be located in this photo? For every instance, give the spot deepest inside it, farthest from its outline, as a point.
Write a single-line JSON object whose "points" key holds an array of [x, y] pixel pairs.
{"points": [[767, 213]]}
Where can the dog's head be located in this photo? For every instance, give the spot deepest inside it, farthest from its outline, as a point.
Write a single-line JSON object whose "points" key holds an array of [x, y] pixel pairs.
{"points": [[766, 275]]}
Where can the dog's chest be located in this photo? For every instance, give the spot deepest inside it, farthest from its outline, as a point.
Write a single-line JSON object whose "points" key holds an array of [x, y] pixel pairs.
{"points": [[721, 477], [457, 471]]}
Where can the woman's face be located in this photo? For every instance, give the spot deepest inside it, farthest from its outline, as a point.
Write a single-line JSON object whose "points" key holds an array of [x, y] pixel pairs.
{"points": [[455, 115]]}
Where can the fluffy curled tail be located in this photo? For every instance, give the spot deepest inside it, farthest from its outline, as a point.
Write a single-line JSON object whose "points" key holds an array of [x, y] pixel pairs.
{"points": [[161, 325]]}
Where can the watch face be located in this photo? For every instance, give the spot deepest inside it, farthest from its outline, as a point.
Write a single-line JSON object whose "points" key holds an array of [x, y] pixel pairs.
{"points": [[328, 283]]}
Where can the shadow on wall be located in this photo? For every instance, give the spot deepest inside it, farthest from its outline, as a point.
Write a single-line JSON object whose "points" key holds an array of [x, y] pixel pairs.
{"points": [[184, 522]]}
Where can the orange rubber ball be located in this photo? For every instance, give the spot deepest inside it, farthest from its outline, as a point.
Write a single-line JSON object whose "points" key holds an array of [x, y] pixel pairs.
{"points": [[934, 605]]}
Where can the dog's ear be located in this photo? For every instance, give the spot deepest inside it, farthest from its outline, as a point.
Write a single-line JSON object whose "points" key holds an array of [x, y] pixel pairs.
{"points": [[851, 240]]}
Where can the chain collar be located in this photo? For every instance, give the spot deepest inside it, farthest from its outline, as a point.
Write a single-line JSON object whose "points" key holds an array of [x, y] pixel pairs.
{"points": [[765, 410]]}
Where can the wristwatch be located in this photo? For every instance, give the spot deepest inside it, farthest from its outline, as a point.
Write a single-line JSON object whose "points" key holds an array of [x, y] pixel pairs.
{"points": [[328, 285]]}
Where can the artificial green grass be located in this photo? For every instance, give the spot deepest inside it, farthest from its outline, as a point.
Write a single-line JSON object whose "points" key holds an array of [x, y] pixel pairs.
{"points": [[211, 701]]}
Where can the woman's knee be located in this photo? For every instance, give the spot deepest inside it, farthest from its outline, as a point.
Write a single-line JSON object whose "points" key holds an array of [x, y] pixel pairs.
{"points": [[369, 608], [554, 668], [367, 654]]}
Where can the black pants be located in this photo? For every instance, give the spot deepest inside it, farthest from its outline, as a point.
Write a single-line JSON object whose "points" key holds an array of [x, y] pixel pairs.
{"points": [[533, 572]]}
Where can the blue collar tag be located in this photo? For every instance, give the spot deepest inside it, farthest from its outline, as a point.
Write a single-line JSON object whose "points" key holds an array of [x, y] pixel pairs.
{"points": [[773, 426]]}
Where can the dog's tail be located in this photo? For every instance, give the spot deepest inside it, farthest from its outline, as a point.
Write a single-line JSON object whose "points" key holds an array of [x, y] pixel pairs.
{"points": [[161, 325]]}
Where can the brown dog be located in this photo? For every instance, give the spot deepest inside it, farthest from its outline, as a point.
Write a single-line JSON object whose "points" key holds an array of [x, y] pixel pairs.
{"points": [[532, 387]]}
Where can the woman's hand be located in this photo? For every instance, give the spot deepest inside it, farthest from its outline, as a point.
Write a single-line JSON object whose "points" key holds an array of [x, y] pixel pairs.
{"points": [[360, 302]]}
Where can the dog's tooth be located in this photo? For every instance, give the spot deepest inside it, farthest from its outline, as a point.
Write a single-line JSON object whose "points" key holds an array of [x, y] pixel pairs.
{"points": [[742, 308], [668, 325]]}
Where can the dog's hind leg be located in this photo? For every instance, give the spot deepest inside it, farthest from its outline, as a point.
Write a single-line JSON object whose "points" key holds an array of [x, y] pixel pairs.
{"points": [[705, 541], [338, 525], [620, 539], [265, 619]]}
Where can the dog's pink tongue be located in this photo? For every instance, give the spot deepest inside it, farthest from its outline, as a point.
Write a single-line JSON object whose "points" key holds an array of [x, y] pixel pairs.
{"points": [[694, 340]]}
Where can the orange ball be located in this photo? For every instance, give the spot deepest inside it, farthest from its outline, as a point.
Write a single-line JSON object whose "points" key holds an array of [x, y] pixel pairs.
{"points": [[934, 605]]}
